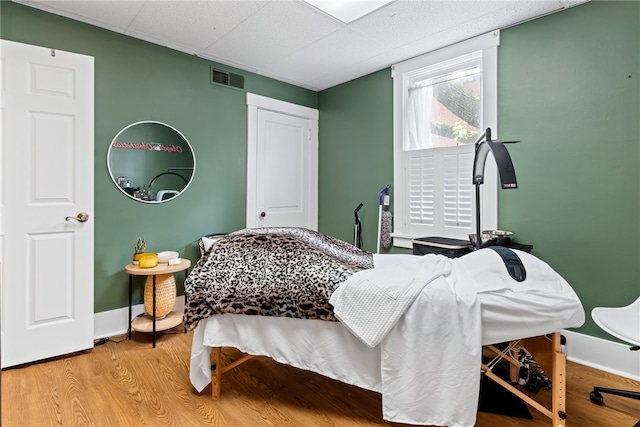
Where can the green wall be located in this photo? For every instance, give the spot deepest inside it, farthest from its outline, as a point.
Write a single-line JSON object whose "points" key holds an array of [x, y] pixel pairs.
{"points": [[135, 81], [569, 90], [356, 155]]}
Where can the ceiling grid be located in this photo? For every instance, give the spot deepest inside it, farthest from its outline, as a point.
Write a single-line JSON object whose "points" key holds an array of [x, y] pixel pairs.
{"points": [[293, 41]]}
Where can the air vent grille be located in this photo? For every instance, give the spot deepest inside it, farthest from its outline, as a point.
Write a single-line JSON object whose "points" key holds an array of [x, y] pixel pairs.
{"points": [[220, 77], [226, 78]]}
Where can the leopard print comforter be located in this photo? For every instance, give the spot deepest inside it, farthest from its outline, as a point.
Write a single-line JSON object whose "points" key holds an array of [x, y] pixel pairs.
{"points": [[289, 272]]}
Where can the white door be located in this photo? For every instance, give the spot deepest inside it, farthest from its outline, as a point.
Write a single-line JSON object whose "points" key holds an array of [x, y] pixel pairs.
{"points": [[282, 167], [47, 176]]}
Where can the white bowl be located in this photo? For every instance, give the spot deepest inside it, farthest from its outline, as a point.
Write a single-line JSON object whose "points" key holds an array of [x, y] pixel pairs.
{"points": [[165, 256]]}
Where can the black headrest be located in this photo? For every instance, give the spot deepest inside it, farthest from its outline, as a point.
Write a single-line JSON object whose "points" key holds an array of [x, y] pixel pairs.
{"points": [[512, 262]]}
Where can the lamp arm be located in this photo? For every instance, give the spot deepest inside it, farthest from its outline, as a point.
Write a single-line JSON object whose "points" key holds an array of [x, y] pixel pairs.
{"points": [[504, 163], [478, 238], [482, 150], [483, 145], [483, 136]]}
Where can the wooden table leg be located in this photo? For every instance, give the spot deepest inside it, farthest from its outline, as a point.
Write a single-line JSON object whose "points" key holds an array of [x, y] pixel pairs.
{"points": [[153, 314], [130, 302]]}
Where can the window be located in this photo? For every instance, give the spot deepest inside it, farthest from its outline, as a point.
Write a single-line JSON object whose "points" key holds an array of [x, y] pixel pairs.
{"points": [[442, 102]]}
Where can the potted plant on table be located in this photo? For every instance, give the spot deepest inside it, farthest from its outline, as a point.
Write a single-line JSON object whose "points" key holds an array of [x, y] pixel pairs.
{"points": [[139, 249]]}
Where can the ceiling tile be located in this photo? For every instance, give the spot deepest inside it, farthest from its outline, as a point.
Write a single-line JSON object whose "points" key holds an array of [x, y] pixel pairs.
{"points": [[194, 25], [277, 30], [337, 50], [406, 21], [112, 15]]}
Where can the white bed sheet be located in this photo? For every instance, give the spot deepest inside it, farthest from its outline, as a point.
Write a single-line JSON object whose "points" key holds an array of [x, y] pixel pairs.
{"points": [[328, 348], [512, 312]]}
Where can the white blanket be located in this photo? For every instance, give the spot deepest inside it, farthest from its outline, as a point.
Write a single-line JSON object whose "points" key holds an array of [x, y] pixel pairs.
{"points": [[430, 338], [426, 313]]}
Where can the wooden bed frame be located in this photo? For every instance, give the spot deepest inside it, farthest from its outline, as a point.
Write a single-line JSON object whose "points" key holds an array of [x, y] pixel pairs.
{"points": [[548, 354]]}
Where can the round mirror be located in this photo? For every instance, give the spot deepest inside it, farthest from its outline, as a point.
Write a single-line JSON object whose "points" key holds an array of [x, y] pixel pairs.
{"points": [[151, 162]]}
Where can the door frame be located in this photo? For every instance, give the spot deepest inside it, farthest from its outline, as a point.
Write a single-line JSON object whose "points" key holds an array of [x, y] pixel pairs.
{"points": [[254, 104]]}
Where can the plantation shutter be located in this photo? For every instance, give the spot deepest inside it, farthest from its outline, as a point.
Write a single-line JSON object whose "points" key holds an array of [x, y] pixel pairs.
{"points": [[440, 191], [422, 176], [458, 188]]}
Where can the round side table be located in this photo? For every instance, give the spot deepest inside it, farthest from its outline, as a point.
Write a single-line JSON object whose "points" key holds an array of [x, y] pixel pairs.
{"points": [[151, 323]]}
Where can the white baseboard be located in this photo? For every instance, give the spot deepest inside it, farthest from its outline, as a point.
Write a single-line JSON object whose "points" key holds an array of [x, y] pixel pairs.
{"points": [[114, 322], [586, 350], [605, 355]]}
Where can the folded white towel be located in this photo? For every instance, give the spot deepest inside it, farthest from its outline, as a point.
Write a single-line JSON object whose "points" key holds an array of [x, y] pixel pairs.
{"points": [[371, 301]]}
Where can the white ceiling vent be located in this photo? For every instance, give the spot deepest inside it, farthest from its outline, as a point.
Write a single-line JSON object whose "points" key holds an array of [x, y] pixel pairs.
{"points": [[226, 78]]}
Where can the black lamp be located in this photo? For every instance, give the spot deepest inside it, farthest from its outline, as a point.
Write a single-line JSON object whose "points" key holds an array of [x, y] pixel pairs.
{"points": [[483, 145]]}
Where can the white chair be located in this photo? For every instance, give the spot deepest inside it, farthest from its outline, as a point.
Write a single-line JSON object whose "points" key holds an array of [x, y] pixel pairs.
{"points": [[624, 324]]}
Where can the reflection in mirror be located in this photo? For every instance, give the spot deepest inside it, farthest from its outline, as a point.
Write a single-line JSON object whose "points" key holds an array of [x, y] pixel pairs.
{"points": [[151, 162]]}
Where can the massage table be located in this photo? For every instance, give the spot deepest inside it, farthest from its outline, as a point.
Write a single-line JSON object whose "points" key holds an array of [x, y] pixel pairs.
{"points": [[504, 313]]}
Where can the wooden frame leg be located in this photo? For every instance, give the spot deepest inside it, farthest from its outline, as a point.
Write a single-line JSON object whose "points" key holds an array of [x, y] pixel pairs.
{"points": [[558, 391], [558, 362], [216, 374]]}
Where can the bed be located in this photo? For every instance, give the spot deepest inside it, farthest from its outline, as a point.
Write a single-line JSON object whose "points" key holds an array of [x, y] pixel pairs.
{"points": [[413, 328]]}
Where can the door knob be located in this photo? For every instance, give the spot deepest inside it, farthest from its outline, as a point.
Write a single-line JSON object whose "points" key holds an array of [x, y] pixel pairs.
{"points": [[263, 214], [82, 217]]}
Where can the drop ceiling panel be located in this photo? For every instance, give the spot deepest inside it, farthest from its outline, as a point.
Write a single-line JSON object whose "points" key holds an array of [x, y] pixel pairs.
{"points": [[277, 30], [314, 61], [405, 21], [115, 16], [194, 25]]}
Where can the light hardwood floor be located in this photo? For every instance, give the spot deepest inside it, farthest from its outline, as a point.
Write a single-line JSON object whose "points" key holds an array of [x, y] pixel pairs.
{"points": [[128, 383]]}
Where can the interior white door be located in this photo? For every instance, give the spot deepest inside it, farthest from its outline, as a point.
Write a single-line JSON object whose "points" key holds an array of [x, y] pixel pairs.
{"points": [[47, 215], [282, 189]]}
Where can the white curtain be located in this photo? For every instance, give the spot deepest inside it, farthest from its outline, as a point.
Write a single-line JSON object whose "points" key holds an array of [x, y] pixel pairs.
{"points": [[417, 119]]}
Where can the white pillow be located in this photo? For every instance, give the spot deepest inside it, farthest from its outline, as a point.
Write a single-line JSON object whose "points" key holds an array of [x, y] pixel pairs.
{"points": [[207, 242]]}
